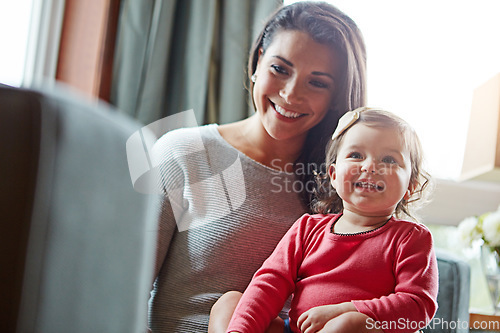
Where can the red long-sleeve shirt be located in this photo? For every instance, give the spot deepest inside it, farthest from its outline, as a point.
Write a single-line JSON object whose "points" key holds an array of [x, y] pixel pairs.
{"points": [[390, 274]]}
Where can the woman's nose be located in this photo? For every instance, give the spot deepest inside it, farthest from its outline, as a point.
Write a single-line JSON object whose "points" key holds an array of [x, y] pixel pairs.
{"points": [[291, 92]]}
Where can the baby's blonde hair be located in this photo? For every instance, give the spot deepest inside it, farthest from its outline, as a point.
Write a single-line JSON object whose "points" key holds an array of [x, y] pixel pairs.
{"points": [[328, 201]]}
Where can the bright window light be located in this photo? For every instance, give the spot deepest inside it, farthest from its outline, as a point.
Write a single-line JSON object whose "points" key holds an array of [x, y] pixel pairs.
{"points": [[425, 58], [14, 28]]}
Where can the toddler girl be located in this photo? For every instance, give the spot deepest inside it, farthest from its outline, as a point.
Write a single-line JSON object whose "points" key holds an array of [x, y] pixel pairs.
{"points": [[354, 266]]}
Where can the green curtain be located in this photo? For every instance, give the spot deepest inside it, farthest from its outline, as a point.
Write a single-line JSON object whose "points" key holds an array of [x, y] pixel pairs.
{"points": [[176, 55]]}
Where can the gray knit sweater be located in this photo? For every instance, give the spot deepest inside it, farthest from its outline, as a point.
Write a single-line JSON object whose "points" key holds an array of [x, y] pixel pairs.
{"points": [[222, 217]]}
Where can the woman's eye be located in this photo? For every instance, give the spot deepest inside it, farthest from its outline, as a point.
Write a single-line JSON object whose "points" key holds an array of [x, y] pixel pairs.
{"points": [[278, 69], [319, 84], [389, 160]]}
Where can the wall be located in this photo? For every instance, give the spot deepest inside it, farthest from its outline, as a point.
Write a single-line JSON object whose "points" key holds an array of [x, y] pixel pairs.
{"points": [[453, 201]]}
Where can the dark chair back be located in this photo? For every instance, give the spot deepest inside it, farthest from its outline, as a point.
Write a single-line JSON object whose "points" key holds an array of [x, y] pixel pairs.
{"points": [[76, 241]]}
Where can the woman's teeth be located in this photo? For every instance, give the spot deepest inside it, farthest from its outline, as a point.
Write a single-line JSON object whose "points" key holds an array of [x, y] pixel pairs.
{"points": [[285, 113]]}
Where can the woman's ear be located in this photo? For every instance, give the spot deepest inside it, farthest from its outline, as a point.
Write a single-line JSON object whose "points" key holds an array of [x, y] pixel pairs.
{"points": [[260, 52], [332, 174], [259, 56]]}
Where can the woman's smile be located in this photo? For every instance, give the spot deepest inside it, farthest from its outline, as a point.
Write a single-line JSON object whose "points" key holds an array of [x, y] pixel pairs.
{"points": [[288, 115]]}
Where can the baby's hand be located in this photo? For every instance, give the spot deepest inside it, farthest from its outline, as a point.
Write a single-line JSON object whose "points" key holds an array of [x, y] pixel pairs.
{"points": [[315, 318]]}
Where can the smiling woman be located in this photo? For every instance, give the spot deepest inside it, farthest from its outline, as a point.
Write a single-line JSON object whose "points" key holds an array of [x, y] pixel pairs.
{"points": [[425, 59], [303, 76]]}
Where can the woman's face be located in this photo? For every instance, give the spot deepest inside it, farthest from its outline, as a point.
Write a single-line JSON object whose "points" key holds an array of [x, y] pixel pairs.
{"points": [[295, 84]]}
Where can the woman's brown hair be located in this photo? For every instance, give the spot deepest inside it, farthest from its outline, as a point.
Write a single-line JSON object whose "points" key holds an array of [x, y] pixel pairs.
{"points": [[325, 24]]}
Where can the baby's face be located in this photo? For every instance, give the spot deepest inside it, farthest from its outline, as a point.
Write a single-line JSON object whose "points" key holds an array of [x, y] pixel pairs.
{"points": [[372, 171]]}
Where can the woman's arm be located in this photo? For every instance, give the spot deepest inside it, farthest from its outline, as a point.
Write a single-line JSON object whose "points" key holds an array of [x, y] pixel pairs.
{"points": [[166, 229], [168, 174]]}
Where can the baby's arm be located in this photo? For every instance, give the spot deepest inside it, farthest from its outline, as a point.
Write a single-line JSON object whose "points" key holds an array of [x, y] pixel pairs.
{"points": [[413, 302]]}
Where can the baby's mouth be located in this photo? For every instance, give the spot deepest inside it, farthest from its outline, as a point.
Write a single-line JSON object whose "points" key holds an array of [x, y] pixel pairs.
{"points": [[369, 186]]}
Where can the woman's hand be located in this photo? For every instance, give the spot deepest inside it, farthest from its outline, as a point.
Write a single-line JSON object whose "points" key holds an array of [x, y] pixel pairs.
{"points": [[315, 318]]}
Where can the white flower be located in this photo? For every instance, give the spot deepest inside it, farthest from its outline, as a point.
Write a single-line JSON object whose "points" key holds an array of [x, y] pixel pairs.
{"points": [[491, 228], [468, 231]]}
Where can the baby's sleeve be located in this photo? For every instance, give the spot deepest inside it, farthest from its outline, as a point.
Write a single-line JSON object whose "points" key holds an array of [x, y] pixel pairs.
{"points": [[271, 285], [413, 303]]}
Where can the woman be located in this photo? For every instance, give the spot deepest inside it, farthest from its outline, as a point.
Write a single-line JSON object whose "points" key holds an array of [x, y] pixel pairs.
{"points": [[233, 189]]}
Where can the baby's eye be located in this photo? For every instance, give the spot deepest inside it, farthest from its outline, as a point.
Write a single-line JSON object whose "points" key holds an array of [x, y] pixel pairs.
{"points": [[279, 69], [355, 155], [389, 160]]}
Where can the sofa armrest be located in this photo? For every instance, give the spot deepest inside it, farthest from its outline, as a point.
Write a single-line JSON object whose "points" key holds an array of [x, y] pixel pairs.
{"points": [[452, 314]]}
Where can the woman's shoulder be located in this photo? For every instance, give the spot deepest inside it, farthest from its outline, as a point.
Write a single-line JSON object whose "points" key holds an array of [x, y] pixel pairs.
{"points": [[187, 140], [188, 135], [183, 145]]}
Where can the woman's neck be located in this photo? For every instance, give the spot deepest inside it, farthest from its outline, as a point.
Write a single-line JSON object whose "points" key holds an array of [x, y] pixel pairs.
{"points": [[352, 222], [251, 138]]}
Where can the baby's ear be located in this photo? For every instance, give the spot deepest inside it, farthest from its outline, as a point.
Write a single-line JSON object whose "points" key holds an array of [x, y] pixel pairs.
{"points": [[332, 174], [409, 192], [407, 195]]}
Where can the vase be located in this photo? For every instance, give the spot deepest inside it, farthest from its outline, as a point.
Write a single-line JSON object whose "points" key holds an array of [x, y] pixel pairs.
{"points": [[490, 262]]}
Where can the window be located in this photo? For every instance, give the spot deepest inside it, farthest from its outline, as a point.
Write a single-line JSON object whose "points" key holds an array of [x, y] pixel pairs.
{"points": [[14, 28], [424, 60], [31, 29]]}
